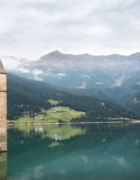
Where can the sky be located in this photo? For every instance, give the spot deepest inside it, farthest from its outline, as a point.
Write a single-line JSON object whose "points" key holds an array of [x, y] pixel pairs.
{"points": [[33, 28]]}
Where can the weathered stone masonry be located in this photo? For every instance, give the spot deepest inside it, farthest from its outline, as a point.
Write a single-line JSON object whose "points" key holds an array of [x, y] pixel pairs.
{"points": [[3, 109]]}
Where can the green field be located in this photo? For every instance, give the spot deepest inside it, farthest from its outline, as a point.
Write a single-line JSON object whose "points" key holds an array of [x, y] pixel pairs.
{"points": [[63, 113], [53, 102], [51, 115]]}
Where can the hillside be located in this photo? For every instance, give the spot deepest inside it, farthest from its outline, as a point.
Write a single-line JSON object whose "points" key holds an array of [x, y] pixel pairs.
{"points": [[133, 102], [25, 95]]}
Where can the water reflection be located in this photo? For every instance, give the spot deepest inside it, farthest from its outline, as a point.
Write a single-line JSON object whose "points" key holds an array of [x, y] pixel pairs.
{"points": [[107, 151]]}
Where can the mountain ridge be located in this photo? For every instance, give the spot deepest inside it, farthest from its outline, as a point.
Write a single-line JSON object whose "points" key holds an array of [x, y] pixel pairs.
{"points": [[117, 76]]}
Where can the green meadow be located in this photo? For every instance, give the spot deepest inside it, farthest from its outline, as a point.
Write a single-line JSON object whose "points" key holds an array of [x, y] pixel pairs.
{"points": [[52, 115], [63, 113], [53, 102]]}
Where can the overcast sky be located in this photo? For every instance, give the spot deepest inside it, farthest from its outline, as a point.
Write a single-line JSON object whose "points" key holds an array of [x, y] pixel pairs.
{"points": [[32, 28]]}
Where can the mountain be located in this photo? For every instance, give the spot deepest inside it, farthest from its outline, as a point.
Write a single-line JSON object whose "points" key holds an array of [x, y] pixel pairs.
{"points": [[114, 78], [57, 62], [26, 95]]}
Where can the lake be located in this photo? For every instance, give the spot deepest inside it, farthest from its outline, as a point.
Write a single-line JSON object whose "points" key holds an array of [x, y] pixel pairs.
{"points": [[74, 152]]}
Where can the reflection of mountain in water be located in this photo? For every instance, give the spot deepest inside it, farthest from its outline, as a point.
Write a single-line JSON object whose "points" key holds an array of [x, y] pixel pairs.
{"points": [[101, 151]]}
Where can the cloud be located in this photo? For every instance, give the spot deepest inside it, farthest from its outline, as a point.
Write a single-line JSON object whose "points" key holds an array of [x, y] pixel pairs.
{"points": [[37, 78], [33, 28], [11, 63], [37, 72], [61, 75], [14, 63], [23, 70]]}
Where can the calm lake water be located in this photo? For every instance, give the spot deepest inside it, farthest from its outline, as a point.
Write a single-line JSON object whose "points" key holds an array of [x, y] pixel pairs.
{"points": [[82, 152]]}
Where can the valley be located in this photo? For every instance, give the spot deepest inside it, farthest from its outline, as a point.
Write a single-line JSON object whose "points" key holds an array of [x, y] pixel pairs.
{"points": [[31, 101]]}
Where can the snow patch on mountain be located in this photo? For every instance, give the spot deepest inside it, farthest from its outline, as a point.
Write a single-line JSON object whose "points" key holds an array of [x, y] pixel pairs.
{"points": [[99, 83], [138, 83], [119, 81], [61, 74], [135, 101], [83, 86]]}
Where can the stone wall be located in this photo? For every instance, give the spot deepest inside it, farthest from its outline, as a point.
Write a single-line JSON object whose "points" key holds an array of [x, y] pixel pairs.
{"points": [[3, 86], [3, 113]]}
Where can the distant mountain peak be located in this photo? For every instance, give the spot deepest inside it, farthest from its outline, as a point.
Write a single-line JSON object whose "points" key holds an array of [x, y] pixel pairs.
{"points": [[56, 52], [135, 54]]}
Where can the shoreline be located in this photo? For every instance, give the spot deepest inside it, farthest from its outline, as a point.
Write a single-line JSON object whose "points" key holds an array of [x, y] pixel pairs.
{"points": [[66, 123]]}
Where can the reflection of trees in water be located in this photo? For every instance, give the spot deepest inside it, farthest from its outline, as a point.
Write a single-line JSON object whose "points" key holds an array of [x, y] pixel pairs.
{"points": [[106, 127]]}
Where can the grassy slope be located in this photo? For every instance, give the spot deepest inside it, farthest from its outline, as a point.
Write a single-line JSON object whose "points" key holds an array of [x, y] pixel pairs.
{"points": [[53, 102], [63, 113]]}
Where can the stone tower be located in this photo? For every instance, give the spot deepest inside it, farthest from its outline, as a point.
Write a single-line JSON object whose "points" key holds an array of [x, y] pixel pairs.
{"points": [[3, 109]]}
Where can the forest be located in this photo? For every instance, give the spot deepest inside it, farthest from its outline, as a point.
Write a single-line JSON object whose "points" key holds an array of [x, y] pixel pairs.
{"points": [[25, 95]]}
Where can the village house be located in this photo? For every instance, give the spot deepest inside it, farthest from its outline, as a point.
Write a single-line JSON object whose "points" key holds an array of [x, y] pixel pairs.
{"points": [[55, 109]]}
